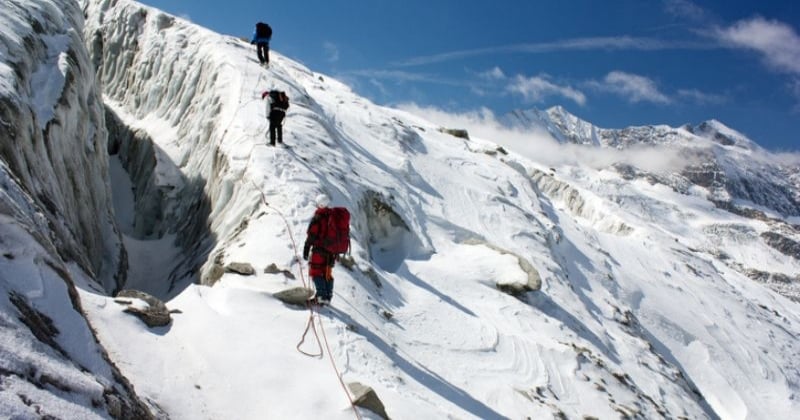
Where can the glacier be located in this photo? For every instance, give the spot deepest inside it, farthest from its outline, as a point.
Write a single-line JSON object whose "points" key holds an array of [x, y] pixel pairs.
{"points": [[655, 269]]}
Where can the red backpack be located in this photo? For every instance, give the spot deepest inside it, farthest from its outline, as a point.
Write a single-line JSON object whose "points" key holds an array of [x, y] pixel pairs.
{"points": [[334, 230]]}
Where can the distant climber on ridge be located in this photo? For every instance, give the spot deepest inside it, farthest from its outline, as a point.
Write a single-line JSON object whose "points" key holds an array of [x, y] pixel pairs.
{"points": [[328, 237], [261, 37], [277, 104]]}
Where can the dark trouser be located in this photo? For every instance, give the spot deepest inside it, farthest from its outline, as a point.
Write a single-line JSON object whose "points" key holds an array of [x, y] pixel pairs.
{"points": [[324, 287], [262, 49], [275, 127]]}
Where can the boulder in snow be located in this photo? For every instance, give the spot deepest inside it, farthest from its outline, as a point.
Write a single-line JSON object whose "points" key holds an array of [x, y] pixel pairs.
{"points": [[295, 295], [364, 396], [153, 312], [273, 269], [244, 269], [456, 132]]}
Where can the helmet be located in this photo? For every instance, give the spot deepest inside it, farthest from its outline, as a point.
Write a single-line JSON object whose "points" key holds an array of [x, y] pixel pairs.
{"points": [[322, 200]]}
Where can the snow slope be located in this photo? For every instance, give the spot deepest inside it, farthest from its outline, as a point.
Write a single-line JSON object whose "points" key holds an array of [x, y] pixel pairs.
{"points": [[644, 311], [420, 318]]}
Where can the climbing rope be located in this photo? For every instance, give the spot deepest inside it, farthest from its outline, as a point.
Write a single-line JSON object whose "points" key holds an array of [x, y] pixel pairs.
{"points": [[312, 313], [310, 325], [336, 369]]}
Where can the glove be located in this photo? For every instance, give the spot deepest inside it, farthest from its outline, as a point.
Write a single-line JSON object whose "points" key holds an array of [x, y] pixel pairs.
{"points": [[305, 252], [264, 95]]}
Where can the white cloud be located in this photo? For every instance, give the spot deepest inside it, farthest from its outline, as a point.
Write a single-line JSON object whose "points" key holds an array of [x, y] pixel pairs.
{"points": [[539, 146], [785, 158], [632, 87], [535, 89], [612, 43], [702, 97], [684, 9], [379, 87], [495, 73], [404, 76], [776, 41], [331, 51]]}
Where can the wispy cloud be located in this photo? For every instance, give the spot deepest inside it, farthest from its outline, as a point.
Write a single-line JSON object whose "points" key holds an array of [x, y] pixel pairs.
{"points": [[536, 89], [632, 87], [331, 51], [576, 44], [495, 73], [685, 9], [405, 76], [702, 98], [778, 42]]}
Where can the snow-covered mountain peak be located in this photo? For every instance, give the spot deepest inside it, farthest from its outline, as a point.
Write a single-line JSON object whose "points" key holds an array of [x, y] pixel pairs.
{"points": [[720, 133]]}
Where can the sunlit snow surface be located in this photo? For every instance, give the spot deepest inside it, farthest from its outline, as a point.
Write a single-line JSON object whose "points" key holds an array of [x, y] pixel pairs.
{"points": [[637, 314]]}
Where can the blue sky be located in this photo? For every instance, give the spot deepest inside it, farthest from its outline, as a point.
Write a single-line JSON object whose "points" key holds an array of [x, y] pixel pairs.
{"points": [[615, 63]]}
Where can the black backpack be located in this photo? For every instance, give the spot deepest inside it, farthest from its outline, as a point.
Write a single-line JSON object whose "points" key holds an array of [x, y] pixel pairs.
{"points": [[263, 30], [279, 99]]}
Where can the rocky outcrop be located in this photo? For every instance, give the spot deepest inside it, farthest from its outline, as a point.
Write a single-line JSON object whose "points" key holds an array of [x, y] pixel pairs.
{"points": [[245, 269], [786, 285], [153, 312], [366, 397], [456, 132], [273, 269], [390, 237], [297, 296], [783, 244]]}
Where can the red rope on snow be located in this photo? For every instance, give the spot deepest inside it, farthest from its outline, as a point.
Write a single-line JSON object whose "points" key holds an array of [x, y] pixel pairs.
{"points": [[336, 369], [312, 312]]}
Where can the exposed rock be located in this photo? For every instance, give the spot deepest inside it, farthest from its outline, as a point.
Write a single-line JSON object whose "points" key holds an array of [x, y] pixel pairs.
{"points": [[742, 211], [347, 261], [294, 296], [240, 268], [376, 205], [273, 269], [373, 275], [40, 324], [155, 314], [364, 396], [390, 238], [783, 244], [517, 290], [456, 132], [213, 275]]}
